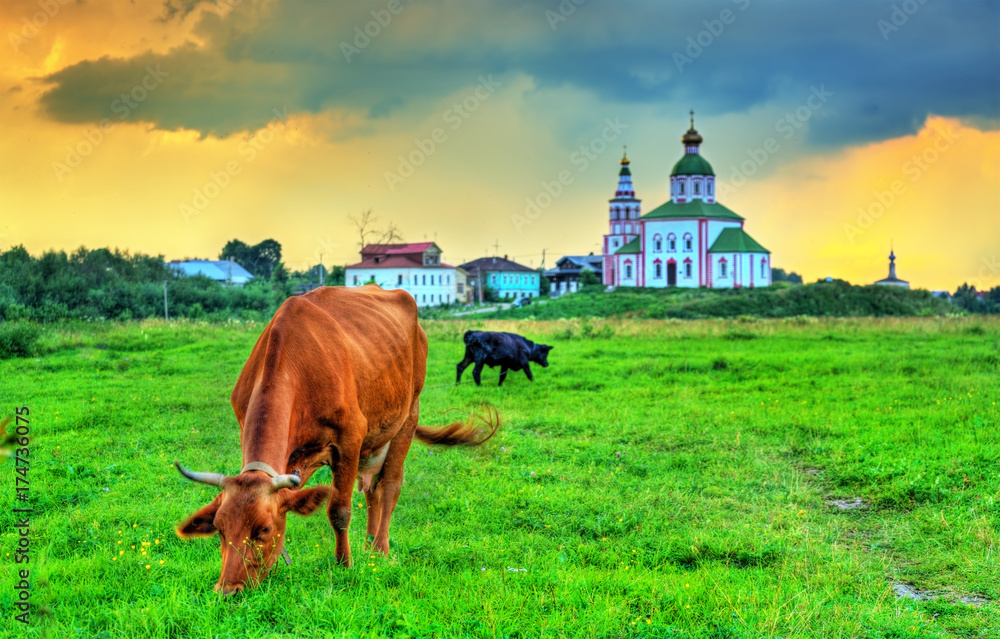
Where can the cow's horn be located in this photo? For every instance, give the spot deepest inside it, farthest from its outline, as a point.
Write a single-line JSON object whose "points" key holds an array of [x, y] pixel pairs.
{"points": [[212, 479], [285, 481]]}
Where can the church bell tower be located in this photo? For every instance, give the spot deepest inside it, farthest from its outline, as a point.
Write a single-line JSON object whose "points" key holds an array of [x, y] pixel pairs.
{"points": [[624, 211]]}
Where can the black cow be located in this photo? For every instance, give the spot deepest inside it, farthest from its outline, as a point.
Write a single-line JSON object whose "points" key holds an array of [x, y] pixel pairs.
{"points": [[506, 350]]}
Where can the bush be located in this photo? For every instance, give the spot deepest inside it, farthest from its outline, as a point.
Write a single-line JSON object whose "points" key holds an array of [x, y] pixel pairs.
{"points": [[17, 339], [746, 305]]}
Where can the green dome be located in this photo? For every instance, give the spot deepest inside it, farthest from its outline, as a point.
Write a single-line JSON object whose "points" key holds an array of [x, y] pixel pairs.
{"points": [[692, 164]]}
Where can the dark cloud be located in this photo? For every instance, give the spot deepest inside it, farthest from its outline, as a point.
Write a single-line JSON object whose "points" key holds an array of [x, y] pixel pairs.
{"points": [[885, 80]]}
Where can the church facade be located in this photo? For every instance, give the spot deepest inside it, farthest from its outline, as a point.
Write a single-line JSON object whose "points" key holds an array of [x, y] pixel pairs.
{"points": [[689, 241]]}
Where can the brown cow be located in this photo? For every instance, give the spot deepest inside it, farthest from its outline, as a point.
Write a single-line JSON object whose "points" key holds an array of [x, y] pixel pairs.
{"points": [[334, 379]]}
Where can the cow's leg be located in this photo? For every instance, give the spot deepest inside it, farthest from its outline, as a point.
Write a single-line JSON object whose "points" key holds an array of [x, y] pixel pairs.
{"points": [[476, 372], [527, 371], [373, 505], [503, 375], [345, 470], [391, 481], [462, 365]]}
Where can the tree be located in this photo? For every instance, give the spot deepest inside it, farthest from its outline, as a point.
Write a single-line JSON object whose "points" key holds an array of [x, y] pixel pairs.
{"points": [[779, 275], [259, 260], [966, 297], [267, 256], [368, 233], [589, 279], [544, 283]]}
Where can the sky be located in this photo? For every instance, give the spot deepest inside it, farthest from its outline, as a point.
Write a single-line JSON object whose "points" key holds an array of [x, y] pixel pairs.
{"points": [[838, 129]]}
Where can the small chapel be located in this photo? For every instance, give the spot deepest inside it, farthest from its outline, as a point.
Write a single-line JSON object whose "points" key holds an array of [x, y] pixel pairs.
{"points": [[689, 241]]}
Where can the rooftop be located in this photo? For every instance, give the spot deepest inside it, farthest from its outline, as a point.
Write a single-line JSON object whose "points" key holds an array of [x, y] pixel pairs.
{"points": [[695, 208], [495, 264], [736, 241]]}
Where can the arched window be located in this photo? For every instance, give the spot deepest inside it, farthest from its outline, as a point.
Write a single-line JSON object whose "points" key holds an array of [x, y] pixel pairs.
{"points": [[710, 185], [697, 188], [628, 270], [671, 243], [722, 268], [657, 243], [657, 270], [681, 188], [763, 268], [687, 269], [687, 242]]}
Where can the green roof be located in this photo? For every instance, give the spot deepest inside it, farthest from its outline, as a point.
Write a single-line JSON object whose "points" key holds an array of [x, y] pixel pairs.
{"points": [[736, 241], [631, 247], [695, 208], [692, 164]]}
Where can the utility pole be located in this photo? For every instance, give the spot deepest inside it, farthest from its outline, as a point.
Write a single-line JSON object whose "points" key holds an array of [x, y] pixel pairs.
{"points": [[166, 315], [543, 258], [496, 248]]}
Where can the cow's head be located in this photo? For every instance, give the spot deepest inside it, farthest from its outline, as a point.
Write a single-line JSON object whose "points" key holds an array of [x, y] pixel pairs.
{"points": [[540, 354], [249, 515]]}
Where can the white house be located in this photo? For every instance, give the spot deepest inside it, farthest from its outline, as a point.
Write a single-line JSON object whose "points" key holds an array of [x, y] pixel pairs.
{"points": [[415, 268], [689, 241]]}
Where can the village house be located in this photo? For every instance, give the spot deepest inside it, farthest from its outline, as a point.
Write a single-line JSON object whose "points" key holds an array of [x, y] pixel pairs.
{"points": [[565, 277], [415, 268], [508, 279]]}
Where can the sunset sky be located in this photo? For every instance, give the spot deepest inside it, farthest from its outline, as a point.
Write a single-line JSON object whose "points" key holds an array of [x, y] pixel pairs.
{"points": [[172, 127]]}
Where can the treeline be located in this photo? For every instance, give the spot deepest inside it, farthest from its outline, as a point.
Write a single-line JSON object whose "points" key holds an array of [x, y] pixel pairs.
{"points": [[968, 298], [822, 299], [116, 285]]}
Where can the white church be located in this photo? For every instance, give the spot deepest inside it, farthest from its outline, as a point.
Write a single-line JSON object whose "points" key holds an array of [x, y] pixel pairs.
{"points": [[689, 241]]}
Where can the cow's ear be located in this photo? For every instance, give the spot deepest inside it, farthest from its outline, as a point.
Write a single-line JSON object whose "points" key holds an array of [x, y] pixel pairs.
{"points": [[548, 348], [202, 523], [304, 502]]}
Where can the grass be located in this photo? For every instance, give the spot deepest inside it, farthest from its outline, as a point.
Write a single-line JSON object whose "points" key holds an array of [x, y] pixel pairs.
{"points": [[659, 479]]}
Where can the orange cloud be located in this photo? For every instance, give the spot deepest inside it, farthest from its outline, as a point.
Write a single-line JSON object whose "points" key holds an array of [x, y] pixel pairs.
{"points": [[933, 195]]}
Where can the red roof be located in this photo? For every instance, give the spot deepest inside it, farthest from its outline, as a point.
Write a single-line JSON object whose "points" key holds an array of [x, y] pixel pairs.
{"points": [[396, 261], [396, 249]]}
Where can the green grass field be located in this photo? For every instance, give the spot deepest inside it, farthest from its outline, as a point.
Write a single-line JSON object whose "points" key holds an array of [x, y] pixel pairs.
{"points": [[660, 479]]}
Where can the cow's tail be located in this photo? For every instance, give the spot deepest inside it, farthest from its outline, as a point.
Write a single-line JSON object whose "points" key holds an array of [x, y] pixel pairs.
{"points": [[474, 432]]}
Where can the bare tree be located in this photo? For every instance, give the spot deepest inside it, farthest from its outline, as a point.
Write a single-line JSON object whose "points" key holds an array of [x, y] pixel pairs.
{"points": [[365, 223]]}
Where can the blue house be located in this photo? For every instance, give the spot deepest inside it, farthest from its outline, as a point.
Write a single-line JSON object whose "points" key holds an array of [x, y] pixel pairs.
{"points": [[510, 280]]}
